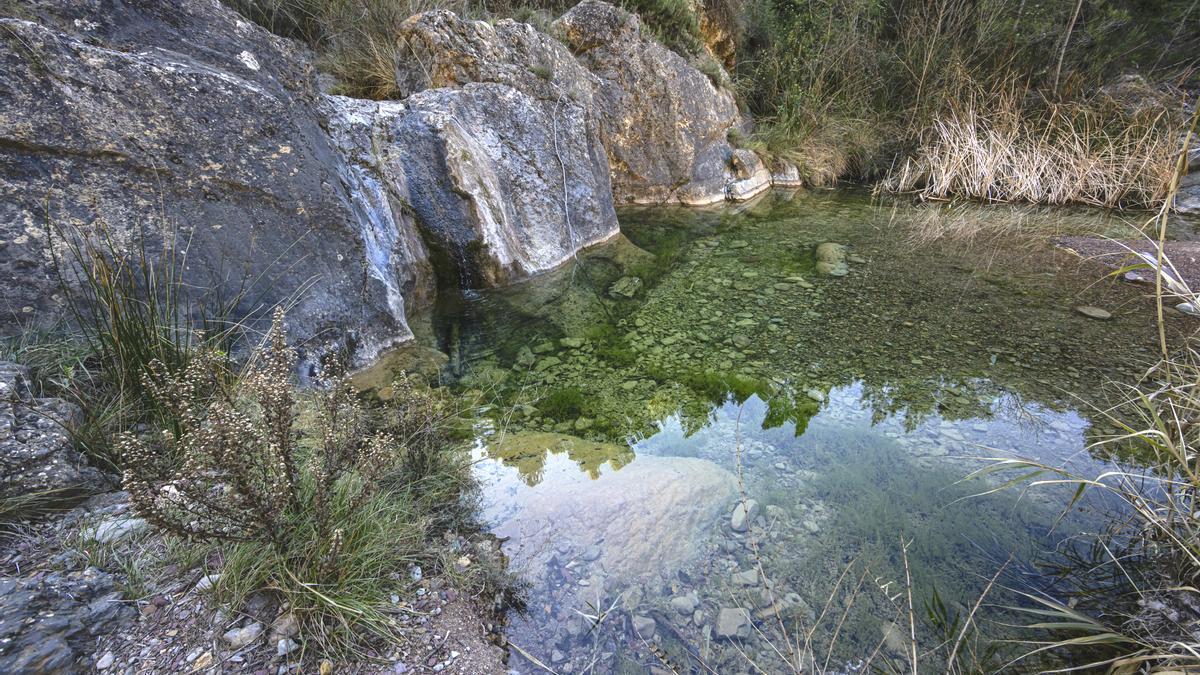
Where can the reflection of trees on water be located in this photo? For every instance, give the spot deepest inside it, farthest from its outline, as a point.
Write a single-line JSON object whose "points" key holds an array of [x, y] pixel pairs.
{"points": [[528, 453]]}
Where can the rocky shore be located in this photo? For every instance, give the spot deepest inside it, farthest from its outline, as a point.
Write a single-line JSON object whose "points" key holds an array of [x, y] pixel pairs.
{"points": [[164, 126]]}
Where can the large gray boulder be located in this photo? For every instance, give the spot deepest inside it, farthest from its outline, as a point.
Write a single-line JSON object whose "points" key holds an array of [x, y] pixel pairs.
{"points": [[179, 121], [665, 124], [496, 154], [502, 185], [440, 49], [36, 454]]}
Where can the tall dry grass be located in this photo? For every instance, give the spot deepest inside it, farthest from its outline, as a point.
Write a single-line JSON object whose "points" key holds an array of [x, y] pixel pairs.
{"points": [[1142, 618], [999, 148]]}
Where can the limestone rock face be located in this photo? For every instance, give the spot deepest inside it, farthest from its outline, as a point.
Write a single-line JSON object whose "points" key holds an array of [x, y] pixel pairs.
{"points": [[751, 176], [442, 50], [664, 122], [180, 121], [36, 455], [502, 184], [499, 146], [180, 125]]}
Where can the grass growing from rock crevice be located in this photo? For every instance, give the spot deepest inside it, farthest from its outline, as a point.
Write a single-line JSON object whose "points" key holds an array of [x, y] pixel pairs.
{"points": [[356, 39]]}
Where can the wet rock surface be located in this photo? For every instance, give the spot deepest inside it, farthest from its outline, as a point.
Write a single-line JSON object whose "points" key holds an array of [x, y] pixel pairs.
{"points": [[503, 184], [36, 453]]}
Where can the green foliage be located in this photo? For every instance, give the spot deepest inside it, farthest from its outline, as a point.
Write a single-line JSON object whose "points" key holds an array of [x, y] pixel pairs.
{"points": [[562, 404], [378, 538], [843, 85], [718, 387], [672, 22]]}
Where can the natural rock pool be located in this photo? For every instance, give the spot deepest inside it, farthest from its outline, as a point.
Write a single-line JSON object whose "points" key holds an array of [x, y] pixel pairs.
{"points": [[707, 401]]}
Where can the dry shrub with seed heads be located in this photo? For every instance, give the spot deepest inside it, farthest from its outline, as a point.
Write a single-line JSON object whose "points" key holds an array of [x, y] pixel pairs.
{"points": [[231, 469]]}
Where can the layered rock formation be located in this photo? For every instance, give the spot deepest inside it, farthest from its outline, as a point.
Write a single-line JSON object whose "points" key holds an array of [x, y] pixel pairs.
{"points": [[496, 152], [179, 125]]}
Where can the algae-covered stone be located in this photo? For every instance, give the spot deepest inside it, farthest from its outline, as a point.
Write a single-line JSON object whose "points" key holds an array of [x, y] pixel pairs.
{"points": [[831, 259], [625, 287]]}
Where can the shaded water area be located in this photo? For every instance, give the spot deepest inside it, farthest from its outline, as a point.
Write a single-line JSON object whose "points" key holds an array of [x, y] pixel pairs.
{"points": [[708, 454]]}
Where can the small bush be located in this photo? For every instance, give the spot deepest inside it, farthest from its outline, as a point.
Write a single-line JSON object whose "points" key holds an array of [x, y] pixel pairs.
{"points": [[310, 516]]}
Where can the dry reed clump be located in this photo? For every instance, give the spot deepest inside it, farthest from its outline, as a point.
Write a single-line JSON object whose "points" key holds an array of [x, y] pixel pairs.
{"points": [[995, 149], [355, 39]]}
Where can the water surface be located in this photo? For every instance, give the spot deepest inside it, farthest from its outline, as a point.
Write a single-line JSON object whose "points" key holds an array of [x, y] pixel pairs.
{"points": [[635, 397]]}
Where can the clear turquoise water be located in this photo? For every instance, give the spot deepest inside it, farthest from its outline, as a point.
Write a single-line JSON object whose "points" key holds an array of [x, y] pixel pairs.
{"points": [[619, 431]]}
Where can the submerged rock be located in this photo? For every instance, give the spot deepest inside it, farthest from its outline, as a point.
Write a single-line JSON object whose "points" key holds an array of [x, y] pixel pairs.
{"points": [[1093, 312], [625, 287], [831, 259], [644, 627], [733, 623], [685, 604], [650, 517], [743, 515]]}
